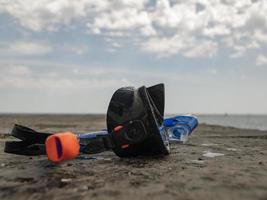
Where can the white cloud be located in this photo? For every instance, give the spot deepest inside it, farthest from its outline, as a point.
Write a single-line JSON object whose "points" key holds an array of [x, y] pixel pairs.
{"points": [[261, 60], [201, 48], [70, 78], [50, 15], [77, 49], [14, 75], [148, 31], [15, 70], [128, 18], [27, 48], [213, 71], [239, 25], [219, 30], [163, 46], [45, 14], [116, 45], [260, 36], [188, 47]]}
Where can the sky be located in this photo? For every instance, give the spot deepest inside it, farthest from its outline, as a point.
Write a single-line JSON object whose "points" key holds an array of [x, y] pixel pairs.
{"points": [[66, 56]]}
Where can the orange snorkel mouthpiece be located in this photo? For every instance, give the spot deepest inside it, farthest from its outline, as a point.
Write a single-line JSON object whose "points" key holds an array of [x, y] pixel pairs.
{"points": [[62, 146]]}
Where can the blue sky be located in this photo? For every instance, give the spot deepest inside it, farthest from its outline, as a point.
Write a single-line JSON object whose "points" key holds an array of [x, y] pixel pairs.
{"points": [[66, 56]]}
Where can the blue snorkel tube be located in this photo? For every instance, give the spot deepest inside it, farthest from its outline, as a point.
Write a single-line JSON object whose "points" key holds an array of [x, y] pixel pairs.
{"points": [[180, 128]]}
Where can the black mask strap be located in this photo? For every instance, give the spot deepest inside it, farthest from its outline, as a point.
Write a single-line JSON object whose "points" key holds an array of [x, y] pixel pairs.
{"points": [[32, 142]]}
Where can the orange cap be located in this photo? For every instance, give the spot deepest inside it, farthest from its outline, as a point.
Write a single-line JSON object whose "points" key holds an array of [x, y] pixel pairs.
{"points": [[62, 146]]}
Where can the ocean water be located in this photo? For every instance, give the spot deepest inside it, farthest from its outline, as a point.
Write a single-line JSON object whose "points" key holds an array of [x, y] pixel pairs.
{"points": [[239, 121]]}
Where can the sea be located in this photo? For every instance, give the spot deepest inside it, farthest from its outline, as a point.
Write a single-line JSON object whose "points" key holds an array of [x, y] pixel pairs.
{"points": [[239, 121]]}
